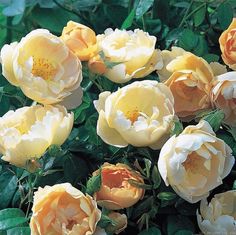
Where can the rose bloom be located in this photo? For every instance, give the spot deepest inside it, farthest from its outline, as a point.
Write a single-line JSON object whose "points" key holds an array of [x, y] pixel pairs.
{"points": [[63, 209], [80, 39], [195, 162], [120, 221], [132, 54], [218, 216], [27, 132], [116, 192], [224, 96], [190, 83], [44, 68], [227, 42], [168, 56], [140, 114]]}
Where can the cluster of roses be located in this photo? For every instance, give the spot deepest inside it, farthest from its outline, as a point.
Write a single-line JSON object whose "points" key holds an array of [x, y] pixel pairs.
{"points": [[48, 70]]}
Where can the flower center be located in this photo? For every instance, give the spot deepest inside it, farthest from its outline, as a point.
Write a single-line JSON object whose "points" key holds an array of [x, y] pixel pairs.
{"points": [[43, 68], [193, 162], [132, 115]]}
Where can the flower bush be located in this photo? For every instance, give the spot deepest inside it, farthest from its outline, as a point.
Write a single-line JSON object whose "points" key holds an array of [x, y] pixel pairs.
{"points": [[117, 117]]}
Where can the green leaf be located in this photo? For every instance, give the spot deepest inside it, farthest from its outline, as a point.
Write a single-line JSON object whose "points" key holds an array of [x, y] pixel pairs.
{"points": [[224, 15], [16, 7], [215, 119], [201, 47], [8, 186], [53, 19], [211, 58], [151, 231], [199, 15], [105, 221], [156, 178], [184, 232], [94, 183], [177, 128], [129, 20], [177, 223], [19, 231], [166, 196], [11, 213], [188, 40], [143, 7], [12, 222]]}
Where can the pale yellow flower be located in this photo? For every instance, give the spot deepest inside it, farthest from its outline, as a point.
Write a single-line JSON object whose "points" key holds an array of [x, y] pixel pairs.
{"points": [[227, 42], [131, 53], [195, 162], [44, 68], [191, 83], [63, 210], [116, 192], [80, 39], [219, 215], [224, 96], [140, 114], [120, 221], [27, 132]]}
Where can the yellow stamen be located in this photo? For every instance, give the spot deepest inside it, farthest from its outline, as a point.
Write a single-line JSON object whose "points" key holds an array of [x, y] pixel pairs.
{"points": [[43, 68], [133, 115]]}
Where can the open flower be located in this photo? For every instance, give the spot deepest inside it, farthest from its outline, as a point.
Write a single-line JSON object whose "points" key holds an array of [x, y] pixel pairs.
{"points": [[27, 132], [63, 209], [224, 96], [195, 162], [190, 83], [80, 39], [44, 68], [131, 54], [218, 217], [140, 114], [227, 42], [116, 192]]}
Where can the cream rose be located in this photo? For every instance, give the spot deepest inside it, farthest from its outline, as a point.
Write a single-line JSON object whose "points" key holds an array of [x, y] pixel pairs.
{"points": [[218, 216], [140, 114], [44, 68], [227, 42], [224, 96], [116, 192], [133, 51], [80, 39], [63, 209], [27, 132], [195, 162], [191, 82]]}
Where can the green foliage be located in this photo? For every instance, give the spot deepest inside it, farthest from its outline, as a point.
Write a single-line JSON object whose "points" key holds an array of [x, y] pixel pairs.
{"points": [[194, 25]]}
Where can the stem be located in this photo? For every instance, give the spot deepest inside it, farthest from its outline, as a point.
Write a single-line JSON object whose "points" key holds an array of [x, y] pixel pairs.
{"points": [[185, 15], [144, 24]]}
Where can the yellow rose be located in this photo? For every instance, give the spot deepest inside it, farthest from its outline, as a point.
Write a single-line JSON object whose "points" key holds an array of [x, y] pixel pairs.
{"points": [[44, 68], [120, 221], [195, 162], [190, 83], [116, 192], [140, 114], [168, 56], [27, 132], [218, 216], [224, 96], [133, 51], [227, 42], [63, 209], [80, 39]]}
